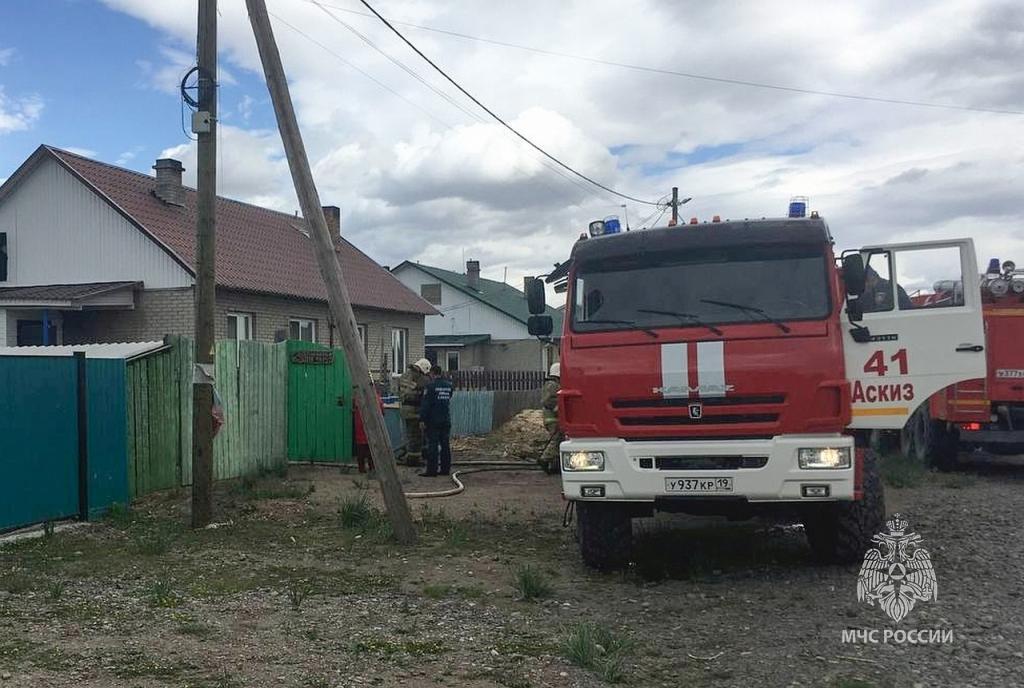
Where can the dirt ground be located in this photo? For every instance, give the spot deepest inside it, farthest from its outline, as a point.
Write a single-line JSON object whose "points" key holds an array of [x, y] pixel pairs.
{"points": [[301, 585]]}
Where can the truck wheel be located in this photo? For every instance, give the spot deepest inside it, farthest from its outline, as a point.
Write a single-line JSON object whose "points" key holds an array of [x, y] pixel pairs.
{"points": [[841, 532], [942, 445], [605, 532], [907, 443]]}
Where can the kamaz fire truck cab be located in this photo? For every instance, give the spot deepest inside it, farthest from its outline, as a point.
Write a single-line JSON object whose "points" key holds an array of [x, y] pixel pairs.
{"points": [[727, 367]]}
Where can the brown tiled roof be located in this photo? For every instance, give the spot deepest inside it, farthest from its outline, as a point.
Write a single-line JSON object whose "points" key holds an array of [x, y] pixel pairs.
{"points": [[61, 292], [258, 250]]}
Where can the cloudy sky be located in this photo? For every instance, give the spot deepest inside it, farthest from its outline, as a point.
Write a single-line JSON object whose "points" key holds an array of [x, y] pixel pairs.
{"points": [[420, 173]]}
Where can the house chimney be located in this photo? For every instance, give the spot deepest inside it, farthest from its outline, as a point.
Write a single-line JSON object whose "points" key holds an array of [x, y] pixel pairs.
{"points": [[332, 214], [473, 273], [168, 181]]}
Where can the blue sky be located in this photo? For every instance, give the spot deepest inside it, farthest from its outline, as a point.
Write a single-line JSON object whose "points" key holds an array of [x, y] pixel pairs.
{"points": [[95, 71], [100, 76]]}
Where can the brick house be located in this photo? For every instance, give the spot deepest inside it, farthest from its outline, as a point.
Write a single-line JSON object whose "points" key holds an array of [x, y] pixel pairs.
{"points": [[480, 323], [90, 252]]}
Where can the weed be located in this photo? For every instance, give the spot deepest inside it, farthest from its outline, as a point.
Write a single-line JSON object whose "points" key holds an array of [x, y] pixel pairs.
{"points": [[531, 583], [355, 512], [298, 590], [437, 592], [189, 625], [119, 515], [958, 481], [56, 590], [902, 472], [16, 583], [153, 544], [161, 594], [598, 649], [49, 528]]}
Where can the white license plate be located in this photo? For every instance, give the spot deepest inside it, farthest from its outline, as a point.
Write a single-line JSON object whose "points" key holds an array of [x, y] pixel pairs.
{"points": [[698, 485]]}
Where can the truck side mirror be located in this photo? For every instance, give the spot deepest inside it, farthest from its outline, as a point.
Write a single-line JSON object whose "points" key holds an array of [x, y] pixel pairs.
{"points": [[853, 274], [854, 310], [535, 296], [540, 325]]}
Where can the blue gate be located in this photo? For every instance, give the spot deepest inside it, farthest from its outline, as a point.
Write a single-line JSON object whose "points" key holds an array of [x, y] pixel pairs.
{"points": [[63, 426]]}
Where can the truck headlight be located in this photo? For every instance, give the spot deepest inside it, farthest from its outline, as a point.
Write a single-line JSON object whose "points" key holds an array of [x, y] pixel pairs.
{"points": [[824, 457], [583, 461]]}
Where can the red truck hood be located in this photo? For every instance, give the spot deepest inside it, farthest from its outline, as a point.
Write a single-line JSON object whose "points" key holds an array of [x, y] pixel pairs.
{"points": [[754, 381]]}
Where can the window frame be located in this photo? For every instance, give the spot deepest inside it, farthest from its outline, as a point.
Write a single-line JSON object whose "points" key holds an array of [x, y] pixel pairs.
{"points": [[301, 322], [439, 293], [448, 360], [239, 316], [4, 258], [402, 334]]}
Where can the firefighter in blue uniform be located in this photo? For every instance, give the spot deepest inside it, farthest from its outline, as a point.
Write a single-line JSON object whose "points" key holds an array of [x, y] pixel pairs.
{"points": [[436, 422]]}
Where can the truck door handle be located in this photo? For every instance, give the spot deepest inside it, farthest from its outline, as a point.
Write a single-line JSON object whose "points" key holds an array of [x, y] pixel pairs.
{"points": [[973, 348]]}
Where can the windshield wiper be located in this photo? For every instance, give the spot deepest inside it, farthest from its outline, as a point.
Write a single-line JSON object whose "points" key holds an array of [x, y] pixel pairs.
{"points": [[750, 309], [687, 316], [632, 323]]}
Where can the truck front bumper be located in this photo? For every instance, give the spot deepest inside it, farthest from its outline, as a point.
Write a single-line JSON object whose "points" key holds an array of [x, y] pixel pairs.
{"points": [[642, 471]]}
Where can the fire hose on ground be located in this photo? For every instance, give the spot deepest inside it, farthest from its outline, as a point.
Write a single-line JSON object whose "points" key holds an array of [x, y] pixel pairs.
{"points": [[474, 467]]}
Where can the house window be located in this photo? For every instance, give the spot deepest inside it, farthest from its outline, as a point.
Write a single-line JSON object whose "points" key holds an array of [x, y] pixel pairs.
{"points": [[302, 329], [362, 338], [3, 256], [399, 349], [452, 360], [33, 333], [240, 326], [431, 293]]}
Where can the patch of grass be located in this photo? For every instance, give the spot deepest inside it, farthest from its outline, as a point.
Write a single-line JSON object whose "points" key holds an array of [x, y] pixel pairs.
{"points": [[134, 664], [359, 516], [119, 515], [598, 649], [16, 582], [958, 481], [901, 472], [531, 583], [260, 487], [298, 590], [153, 544], [56, 590], [161, 594], [385, 647], [189, 625]]}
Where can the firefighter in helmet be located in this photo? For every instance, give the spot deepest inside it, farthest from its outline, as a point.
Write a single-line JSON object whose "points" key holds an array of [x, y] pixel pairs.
{"points": [[549, 402], [414, 381]]}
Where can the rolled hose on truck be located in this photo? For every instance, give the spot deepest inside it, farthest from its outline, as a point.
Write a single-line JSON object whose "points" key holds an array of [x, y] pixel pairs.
{"points": [[475, 467]]}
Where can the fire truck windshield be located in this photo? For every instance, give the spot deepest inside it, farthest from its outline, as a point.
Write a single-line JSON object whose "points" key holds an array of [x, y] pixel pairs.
{"points": [[702, 289]]}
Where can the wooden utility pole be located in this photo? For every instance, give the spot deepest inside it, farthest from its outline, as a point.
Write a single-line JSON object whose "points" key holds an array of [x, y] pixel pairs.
{"points": [[337, 293], [205, 127], [675, 207]]}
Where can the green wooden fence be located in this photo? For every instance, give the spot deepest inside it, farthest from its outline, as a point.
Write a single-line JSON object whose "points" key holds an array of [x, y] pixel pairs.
{"points": [[252, 381]]}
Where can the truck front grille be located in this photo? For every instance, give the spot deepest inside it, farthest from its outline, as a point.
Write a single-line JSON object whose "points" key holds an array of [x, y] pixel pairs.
{"points": [[707, 419], [708, 463]]}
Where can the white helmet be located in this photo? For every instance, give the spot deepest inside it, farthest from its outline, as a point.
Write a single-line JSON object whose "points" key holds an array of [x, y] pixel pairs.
{"points": [[423, 364], [555, 370]]}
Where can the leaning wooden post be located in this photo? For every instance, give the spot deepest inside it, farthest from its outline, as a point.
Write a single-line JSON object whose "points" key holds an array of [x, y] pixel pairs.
{"points": [[337, 293]]}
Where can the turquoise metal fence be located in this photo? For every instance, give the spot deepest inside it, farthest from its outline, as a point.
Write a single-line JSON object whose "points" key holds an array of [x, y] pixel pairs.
{"points": [[472, 412], [59, 415]]}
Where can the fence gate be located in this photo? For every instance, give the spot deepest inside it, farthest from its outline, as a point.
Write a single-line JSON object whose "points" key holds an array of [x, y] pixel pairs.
{"points": [[319, 404]]}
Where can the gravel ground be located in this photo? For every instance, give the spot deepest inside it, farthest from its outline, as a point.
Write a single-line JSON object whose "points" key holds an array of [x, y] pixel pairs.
{"points": [[301, 586]]}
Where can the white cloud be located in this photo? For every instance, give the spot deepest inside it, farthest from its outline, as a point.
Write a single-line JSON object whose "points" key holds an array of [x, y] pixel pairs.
{"points": [[18, 114], [78, 150], [413, 187], [5, 56]]}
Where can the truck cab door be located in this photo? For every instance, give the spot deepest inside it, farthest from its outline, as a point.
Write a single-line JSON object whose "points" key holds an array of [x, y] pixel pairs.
{"points": [[921, 329]]}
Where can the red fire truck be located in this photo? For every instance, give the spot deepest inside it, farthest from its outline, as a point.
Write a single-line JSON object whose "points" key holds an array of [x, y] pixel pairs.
{"points": [[986, 413], [738, 367]]}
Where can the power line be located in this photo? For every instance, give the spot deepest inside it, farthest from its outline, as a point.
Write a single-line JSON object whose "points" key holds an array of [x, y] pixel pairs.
{"points": [[392, 91], [495, 115], [691, 75], [408, 70]]}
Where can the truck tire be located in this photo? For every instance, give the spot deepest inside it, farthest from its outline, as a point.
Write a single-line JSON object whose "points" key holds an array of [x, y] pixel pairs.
{"points": [[940, 445], [605, 532], [907, 443], [841, 532], [883, 442]]}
